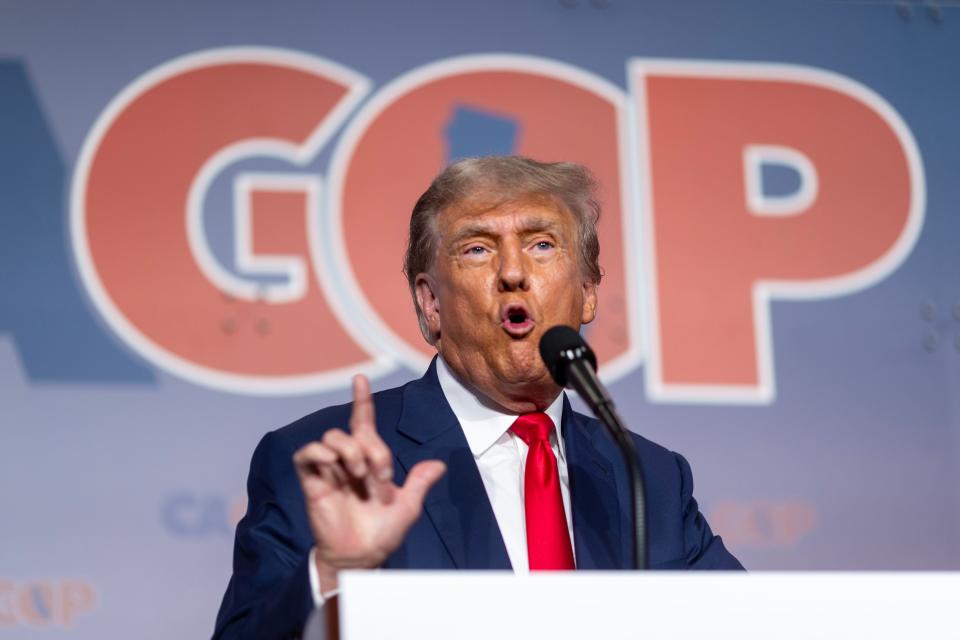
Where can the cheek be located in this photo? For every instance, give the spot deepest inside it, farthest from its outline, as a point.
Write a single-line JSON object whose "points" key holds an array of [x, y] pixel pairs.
{"points": [[469, 289], [458, 307], [567, 302], [461, 307]]}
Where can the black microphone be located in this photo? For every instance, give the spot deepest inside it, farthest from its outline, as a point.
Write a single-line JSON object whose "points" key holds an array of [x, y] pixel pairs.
{"points": [[573, 365]]}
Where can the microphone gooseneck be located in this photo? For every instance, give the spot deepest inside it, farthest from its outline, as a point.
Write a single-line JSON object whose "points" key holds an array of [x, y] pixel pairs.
{"points": [[572, 364]]}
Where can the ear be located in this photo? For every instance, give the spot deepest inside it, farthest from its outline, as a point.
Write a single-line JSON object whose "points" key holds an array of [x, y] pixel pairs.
{"points": [[425, 290], [589, 302]]}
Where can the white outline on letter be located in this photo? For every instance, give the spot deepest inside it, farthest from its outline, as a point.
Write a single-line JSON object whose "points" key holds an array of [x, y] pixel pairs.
{"points": [[791, 204]]}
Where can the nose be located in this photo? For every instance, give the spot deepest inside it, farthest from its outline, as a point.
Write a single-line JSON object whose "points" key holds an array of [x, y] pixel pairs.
{"points": [[513, 273]]}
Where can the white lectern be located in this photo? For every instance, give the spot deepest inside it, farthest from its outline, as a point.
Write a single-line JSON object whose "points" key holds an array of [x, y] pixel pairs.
{"points": [[582, 605]]}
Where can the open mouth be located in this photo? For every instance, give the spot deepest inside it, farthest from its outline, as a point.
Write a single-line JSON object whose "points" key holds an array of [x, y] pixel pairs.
{"points": [[516, 320]]}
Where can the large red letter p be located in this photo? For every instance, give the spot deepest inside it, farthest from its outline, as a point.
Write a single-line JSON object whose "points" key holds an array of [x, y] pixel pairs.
{"points": [[721, 242]]}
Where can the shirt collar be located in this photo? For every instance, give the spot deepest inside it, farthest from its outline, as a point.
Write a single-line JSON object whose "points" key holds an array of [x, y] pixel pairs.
{"points": [[482, 424]]}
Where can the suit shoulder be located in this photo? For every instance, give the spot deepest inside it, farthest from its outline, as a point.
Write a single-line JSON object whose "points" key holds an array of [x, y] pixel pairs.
{"points": [[655, 457], [312, 426], [645, 448]]}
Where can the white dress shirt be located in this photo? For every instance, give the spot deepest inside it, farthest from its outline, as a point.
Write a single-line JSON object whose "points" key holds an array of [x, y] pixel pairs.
{"points": [[501, 458]]}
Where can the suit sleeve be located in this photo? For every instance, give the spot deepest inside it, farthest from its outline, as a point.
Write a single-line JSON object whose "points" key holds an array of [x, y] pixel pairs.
{"points": [[704, 550], [269, 594]]}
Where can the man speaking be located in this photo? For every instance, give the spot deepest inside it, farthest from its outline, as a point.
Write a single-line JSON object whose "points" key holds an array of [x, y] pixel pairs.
{"points": [[481, 463]]}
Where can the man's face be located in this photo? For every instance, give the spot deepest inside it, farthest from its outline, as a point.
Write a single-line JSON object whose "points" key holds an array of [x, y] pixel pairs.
{"points": [[504, 273]]}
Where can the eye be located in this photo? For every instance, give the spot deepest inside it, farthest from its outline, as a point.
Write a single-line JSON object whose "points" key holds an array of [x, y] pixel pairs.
{"points": [[543, 245], [475, 250]]}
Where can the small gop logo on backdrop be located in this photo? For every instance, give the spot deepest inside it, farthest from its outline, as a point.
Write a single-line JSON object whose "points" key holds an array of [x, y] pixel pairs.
{"points": [[46, 603], [215, 244]]}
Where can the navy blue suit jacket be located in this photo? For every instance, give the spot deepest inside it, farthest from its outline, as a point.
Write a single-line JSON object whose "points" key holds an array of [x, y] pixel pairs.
{"points": [[269, 592]]}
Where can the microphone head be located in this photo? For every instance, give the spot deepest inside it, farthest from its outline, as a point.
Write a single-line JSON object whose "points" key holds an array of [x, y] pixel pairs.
{"points": [[560, 346]]}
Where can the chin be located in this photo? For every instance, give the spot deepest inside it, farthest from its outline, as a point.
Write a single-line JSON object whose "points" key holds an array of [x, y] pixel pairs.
{"points": [[525, 371]]}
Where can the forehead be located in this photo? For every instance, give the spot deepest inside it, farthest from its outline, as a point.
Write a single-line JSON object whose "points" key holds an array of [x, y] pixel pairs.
{"points": [[486, 211]]}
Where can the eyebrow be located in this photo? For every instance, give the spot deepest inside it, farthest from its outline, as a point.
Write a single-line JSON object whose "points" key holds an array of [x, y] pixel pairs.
{"points": [[475, 229]]}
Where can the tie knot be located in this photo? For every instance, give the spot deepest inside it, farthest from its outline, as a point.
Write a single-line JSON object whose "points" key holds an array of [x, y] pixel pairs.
{"points": [[532, 427]]}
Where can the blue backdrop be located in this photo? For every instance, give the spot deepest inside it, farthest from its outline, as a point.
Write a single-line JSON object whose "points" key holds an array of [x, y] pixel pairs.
{"points": [[123, 476]]}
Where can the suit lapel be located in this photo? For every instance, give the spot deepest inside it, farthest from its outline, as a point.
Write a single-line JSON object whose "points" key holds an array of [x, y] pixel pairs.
{"points": [[457, 505], [593, 490]]}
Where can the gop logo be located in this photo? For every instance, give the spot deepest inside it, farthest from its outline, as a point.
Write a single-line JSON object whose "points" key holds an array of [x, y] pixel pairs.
{"points": [[47, 603], [239, 215]]}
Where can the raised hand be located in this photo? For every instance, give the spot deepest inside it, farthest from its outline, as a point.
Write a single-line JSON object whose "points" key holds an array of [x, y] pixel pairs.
{"points": [[358, 516]]}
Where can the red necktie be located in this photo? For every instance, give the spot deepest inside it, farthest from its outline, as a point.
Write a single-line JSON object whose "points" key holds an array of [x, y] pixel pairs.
{"points": [[548, 540]]}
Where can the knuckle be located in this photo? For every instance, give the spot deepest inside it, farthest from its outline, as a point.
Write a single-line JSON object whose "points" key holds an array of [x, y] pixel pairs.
{"points": [[380, 455], [304, 454], [350, 449], [333, 436]]}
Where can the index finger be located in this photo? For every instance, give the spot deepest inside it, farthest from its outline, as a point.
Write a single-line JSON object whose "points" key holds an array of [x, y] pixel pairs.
{"points": [[362, 418]]}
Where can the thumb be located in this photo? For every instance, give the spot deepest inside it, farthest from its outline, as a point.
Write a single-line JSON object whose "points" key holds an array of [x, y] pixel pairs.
{"points": [[421, 478]]}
